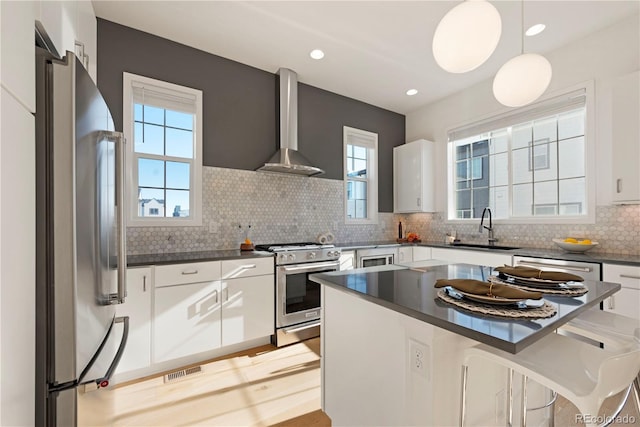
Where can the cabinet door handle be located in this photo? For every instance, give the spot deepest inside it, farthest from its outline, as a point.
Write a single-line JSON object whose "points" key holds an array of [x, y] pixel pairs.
{"points": [[612, 304], [629, 276], [190, 272], [619, 185], [144, 283], [418, 201], [215, 292], [248, 266], [225, 294]]}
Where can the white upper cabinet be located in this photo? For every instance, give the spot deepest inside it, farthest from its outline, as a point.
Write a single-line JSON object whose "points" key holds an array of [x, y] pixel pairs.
{"points": [[18, 70], [413, 177], [71, 26], [87, 38], [626, 139]]}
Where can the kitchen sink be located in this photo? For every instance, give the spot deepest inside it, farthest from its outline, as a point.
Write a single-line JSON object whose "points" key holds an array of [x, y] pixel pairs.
{"points": [[481, 246]]}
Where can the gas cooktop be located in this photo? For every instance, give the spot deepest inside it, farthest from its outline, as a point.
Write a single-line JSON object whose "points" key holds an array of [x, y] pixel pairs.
{"points": [[301, 246]]}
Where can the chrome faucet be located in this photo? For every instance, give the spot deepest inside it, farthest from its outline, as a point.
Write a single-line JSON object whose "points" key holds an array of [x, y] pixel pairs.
{"points": [[492, 240]]}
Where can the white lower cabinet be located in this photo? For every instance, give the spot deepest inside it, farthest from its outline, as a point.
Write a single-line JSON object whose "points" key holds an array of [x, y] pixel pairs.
{"points": [[421, 253], [187, 320], [247, 309], [626, 301], [405, 254], [205, 306], [137, 353], [347, 260], [413, 253], [471, 257]]}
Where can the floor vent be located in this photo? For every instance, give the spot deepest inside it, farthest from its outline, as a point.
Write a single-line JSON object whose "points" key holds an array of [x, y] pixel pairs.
{"points": [[182, 373]]}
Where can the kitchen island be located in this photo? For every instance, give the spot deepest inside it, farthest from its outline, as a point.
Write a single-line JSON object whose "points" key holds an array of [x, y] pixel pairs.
{"points": [[391, 349]]}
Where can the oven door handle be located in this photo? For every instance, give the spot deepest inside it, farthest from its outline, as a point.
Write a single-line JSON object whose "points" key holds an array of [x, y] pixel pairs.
{"points": [[313, 267], [293, 329]]}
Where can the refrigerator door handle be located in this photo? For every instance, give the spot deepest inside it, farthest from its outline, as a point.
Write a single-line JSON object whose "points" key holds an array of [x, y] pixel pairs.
{"points": [[120, 141], [104, 381]]}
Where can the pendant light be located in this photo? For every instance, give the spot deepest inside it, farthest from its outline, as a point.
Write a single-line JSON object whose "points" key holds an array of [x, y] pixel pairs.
{"points": [[522, 79], [467, 36]]}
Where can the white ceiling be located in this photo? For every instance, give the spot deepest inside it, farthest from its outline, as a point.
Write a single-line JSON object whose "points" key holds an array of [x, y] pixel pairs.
{"points": [[374, 50]]}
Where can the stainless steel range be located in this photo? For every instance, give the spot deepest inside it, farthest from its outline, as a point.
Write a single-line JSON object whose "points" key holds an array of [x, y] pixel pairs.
{"points": [[297, 297]]}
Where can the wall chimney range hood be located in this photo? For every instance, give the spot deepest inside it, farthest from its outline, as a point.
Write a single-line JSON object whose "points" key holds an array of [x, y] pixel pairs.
{"points": [[287, 159]]}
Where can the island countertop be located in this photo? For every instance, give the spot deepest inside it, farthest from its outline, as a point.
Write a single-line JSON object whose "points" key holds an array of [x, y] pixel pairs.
{"points": [[411, 292]]}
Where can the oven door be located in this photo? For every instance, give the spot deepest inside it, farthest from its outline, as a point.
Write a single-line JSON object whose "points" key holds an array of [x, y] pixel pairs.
{"points": [[297, 297]]}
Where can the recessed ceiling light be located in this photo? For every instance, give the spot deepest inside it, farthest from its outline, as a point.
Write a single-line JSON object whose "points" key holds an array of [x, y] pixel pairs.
{"points": [[535, 29], [316, 54], [412, 92]]}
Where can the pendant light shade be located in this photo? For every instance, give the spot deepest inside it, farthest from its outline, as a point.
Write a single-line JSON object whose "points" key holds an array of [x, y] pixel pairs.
{"points": [[467, 36], [522, 80]]}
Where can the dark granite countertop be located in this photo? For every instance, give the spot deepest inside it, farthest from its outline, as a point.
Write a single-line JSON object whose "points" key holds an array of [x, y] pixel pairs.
{"points": [[214, 255], [411, 292], [532, 252], [183, 257]]}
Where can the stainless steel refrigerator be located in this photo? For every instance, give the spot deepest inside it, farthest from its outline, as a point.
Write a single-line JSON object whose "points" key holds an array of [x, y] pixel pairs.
{"points": [[81, 254]]}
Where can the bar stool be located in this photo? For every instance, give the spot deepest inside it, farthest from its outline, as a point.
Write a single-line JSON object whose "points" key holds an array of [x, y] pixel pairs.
{"points": [[614, 331], [584, 374]]}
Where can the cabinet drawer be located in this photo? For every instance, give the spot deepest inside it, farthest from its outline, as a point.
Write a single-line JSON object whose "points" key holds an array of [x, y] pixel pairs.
{"points": [[627, 275], [193, 272], [236, 268]]}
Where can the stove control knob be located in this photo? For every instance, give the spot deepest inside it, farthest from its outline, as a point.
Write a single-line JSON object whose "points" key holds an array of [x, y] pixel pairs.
{"points": [[311, 255], [282, 257], [292, 257]]}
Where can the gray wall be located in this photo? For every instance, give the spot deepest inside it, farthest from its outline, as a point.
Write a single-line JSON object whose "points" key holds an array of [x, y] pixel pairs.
{"points": [[239, 105]]}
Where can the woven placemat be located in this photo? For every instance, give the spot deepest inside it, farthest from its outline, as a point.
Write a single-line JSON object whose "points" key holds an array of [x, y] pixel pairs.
{"points": [[567, 292], [547, 310]]}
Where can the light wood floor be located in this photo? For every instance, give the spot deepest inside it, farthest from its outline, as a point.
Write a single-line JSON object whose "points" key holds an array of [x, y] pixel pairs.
{"points": [[263, 387], [566, 412], [266, 386]]}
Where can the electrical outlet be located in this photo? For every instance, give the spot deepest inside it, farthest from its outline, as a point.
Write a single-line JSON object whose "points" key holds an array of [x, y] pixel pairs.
{"points": [[213, 227], [419, 358]]}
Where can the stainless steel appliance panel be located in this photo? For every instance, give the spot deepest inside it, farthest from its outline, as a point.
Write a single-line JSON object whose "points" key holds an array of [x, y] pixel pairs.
{"points": [[586, 270], [299, 297], [376, 256], [81, 255], [83, 312]]}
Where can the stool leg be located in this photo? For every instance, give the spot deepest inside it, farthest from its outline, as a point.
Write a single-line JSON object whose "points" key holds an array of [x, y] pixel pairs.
{"points": [[463, 399], [510, 399], [524, 401], [636, 391]]}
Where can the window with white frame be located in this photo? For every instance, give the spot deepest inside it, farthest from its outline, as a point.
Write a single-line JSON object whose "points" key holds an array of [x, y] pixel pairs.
{"points": [[530, 163], [163, 126], [360, 176]]}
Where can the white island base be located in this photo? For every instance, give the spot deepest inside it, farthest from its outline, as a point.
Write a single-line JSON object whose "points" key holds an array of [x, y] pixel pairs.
{"points": [[384, 368]]}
